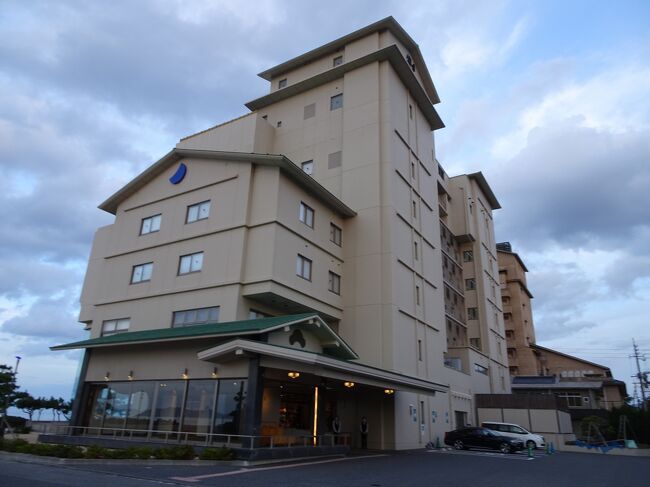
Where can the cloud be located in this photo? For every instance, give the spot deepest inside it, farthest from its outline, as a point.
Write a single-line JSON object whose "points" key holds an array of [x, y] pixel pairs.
{"points": [[52, 319], [622, 95]]}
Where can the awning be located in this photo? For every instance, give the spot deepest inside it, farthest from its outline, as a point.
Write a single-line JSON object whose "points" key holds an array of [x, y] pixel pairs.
{"points": [[324, 365]]}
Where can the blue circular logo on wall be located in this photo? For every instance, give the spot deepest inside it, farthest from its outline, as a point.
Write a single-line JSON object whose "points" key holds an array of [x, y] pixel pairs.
{"points": [[179, 174]]}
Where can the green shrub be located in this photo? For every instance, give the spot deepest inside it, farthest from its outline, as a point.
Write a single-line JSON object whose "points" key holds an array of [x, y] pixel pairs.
{"points": [[12, 445], [94, 451], [181, 452], [47, 450], [140, 452], [217, 454]]}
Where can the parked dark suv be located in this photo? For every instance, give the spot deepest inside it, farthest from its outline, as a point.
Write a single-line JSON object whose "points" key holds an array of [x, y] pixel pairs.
{"points": [[465, 438]]}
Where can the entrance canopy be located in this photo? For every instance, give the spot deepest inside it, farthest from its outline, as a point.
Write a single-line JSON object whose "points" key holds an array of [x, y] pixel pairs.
{"points": [[318, 364]]}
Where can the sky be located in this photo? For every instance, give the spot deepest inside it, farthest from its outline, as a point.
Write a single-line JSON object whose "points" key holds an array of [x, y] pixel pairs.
{"points": [[550, 99]]}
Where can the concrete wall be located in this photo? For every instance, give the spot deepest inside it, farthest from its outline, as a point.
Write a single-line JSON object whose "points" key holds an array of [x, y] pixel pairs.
{"points": [[541, 421]]}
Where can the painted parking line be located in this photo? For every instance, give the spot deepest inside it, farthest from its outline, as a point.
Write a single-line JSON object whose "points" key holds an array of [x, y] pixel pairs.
{"points": [[479, 453], [241, 471]]}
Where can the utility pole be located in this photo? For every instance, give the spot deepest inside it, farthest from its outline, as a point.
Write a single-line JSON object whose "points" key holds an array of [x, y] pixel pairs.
{"points": [[639, 375]]}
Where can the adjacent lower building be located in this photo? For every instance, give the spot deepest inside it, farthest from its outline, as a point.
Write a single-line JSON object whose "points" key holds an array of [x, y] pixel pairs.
{"points": [[287, 267], [584, 388]]}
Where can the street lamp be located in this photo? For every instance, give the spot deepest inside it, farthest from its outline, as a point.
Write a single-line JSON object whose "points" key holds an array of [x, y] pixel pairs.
{"points": [[18, 358]]}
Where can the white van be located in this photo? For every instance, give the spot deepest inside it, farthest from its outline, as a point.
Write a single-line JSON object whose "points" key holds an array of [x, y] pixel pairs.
{"points": [[516, 431]]}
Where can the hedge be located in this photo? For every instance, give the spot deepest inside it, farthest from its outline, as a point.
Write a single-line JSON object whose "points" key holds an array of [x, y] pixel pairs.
{"points": [[180, 452]]}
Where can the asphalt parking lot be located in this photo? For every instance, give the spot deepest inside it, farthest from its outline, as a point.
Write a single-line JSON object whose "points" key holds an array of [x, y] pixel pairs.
{"points": [[419, 468]]}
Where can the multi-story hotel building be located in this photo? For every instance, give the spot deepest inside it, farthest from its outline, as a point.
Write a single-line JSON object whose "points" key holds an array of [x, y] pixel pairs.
{"points": [[284, 268]]}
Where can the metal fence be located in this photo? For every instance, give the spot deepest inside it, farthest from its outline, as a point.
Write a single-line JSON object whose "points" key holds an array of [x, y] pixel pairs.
{"points": [[197, 438]]}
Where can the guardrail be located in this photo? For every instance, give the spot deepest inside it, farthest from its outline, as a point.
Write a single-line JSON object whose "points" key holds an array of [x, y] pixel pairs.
{"points": [[197, 438]]}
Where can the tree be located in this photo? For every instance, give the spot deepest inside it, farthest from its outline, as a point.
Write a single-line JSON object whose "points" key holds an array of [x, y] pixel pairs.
{"points": [[9, 394], [28, 404], [65, 408], [53, 404]]}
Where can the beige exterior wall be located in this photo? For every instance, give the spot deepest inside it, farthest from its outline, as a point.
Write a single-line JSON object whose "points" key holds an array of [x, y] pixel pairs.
{"points": [[145, 364], [252, 237]]}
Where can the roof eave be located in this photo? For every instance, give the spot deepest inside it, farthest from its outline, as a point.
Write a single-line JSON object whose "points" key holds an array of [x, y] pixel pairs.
{"points": [[390, 53], [485, 187], [286, 165], [331, 47]]}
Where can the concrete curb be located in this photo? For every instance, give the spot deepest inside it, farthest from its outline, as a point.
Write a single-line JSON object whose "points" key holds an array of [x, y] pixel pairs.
{"points": [[44, 460]]}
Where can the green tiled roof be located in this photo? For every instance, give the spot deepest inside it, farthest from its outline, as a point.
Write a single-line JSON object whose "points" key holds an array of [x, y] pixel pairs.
{"points": [[243, 327]]}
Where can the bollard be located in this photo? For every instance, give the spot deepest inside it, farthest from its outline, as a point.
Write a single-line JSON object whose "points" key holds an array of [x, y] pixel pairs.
{"points": [[438, 442], [548, 448], [530, 451], [552, 448]]}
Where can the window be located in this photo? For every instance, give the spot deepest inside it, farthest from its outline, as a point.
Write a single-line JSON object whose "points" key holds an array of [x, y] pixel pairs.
{"points": [[303, 267], [190, 263], [336, 101], [336, 234], [150, 225], [413, 170], [480, 369], [306, 215], [572, 400], [334, 284], [470, 284], [111, 327], [468, 256], [420, 350], [472, 313], [308, 167], [141, 273], [337, 61], [282, 83], [199, 211], [199, 316], [410, 111], [253, 314], [417, 295], [415, 210], [415, 250]]}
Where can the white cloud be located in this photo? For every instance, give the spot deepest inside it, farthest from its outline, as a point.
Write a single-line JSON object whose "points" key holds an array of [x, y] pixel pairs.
{"points": [[478, 45], [617, 101]]}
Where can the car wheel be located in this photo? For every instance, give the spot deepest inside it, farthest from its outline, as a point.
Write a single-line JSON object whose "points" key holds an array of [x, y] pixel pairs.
{"points": [[504, 448], [458, 445], [531, 444]]}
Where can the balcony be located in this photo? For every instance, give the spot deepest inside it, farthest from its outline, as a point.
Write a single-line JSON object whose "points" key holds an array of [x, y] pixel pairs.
{"points": [[456, 311], [448, 242], [452, 274]]}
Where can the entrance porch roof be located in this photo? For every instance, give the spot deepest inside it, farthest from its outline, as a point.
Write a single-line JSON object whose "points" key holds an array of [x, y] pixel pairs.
{"points": [[331, 342], [325, 365]]}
